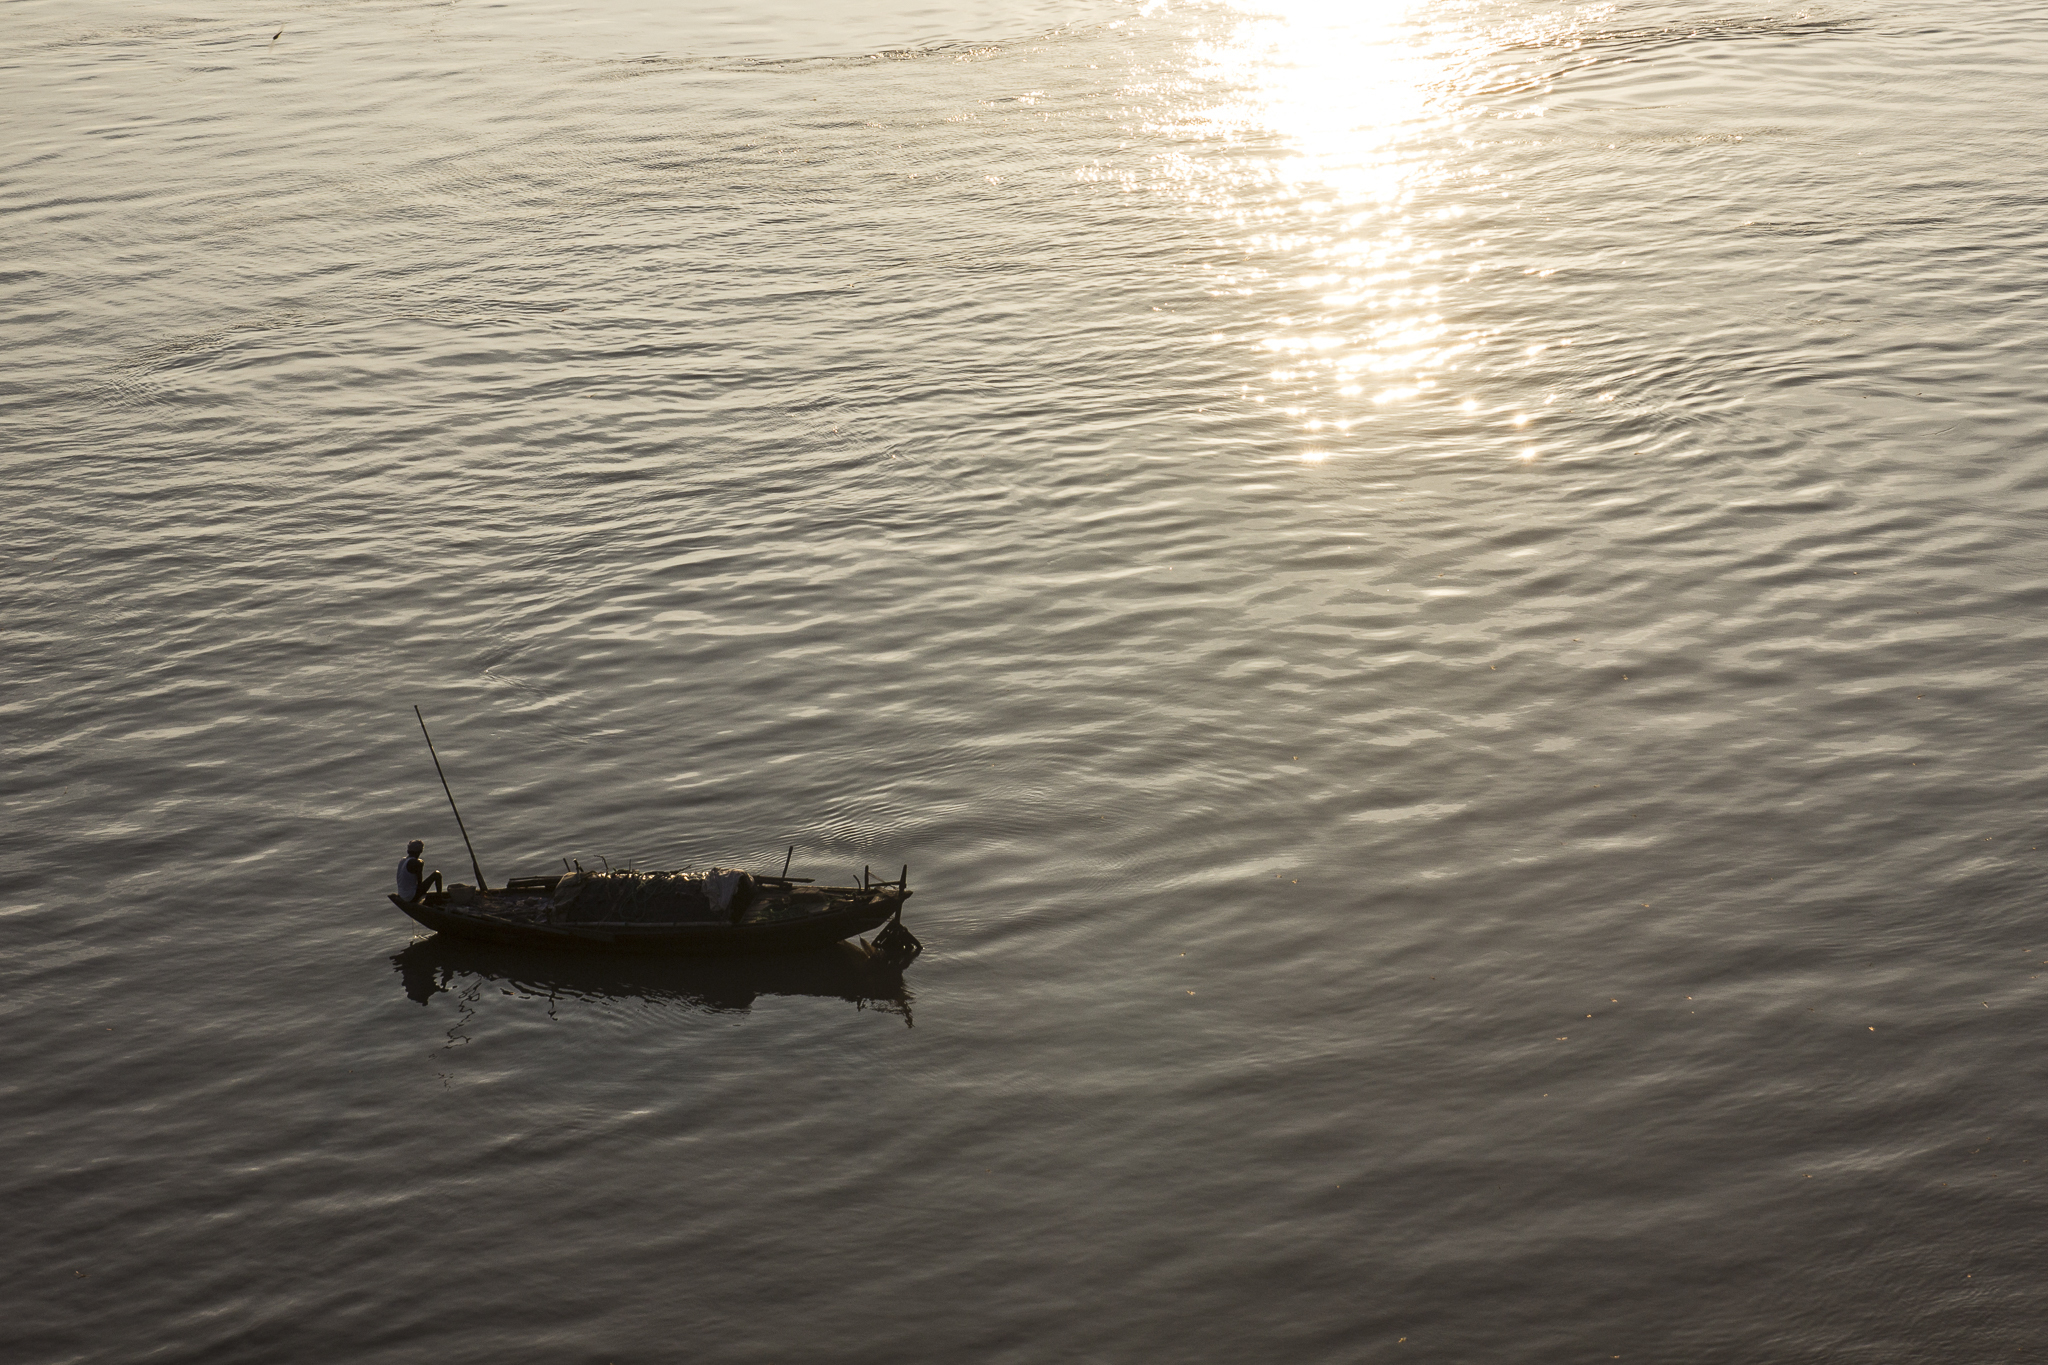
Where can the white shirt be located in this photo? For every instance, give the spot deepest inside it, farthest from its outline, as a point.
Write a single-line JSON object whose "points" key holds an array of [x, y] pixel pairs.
{"points": [[408, 885]]}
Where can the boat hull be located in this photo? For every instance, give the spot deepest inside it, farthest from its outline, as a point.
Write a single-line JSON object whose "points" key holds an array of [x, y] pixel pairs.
{"points": [[860, 916]]}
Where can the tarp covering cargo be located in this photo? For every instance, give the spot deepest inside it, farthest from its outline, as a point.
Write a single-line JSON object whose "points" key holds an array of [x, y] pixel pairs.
{"points": [[718, 896]]}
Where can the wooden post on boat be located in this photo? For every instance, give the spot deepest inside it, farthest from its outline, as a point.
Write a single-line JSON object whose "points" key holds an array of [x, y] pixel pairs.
{"points": [[785, 859], [896, 945], [474, 866]]}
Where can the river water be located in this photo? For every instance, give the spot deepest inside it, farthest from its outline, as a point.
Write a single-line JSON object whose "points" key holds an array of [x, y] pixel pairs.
{"points": [[1443, 600]]}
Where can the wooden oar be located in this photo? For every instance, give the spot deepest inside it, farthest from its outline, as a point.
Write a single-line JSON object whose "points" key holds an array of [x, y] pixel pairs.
{"points": [[474, 866]]}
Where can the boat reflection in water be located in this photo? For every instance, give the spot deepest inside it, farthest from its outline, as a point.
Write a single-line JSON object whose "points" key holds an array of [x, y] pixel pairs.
{"points": [[844, 971]]}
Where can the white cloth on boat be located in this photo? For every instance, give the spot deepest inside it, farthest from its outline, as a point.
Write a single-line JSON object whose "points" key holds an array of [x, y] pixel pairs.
{"points": [[408, 882], [720, 885]]}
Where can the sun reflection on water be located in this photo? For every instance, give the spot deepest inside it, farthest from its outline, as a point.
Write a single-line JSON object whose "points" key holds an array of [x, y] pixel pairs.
{"points": [[1340, 83], [1342, 149]]}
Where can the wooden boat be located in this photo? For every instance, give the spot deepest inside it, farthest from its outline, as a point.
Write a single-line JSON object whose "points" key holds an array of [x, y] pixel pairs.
{"points": [[723, 912], [665, 913]]}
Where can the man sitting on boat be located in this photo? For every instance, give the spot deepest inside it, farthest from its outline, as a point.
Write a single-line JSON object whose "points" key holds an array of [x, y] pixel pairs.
{"points": [[414, 880]]}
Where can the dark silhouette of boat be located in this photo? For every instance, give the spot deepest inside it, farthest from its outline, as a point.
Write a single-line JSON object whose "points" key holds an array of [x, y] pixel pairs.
{"points": [[724, 912], [674, 913]]}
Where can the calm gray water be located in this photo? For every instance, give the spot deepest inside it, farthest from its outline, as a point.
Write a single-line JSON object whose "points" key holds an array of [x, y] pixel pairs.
{"points": [[1443, 600]]}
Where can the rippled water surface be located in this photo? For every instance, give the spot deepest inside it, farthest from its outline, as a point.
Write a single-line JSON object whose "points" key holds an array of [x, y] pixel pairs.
{"points": [[1442, 599]]}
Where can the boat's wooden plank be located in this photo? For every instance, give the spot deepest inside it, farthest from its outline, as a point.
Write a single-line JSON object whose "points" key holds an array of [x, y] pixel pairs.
{"points": [[841, 914]]}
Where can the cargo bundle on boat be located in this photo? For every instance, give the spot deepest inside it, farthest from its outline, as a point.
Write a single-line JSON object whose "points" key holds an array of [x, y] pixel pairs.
{"points": [[722, 911]]}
